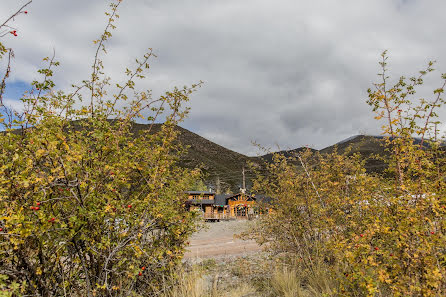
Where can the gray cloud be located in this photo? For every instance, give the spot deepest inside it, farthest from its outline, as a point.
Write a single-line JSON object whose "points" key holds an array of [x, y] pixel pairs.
{"points": [[282, 72]]}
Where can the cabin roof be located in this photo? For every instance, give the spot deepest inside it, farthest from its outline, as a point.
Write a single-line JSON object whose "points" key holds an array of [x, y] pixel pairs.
{"points": [[220, 199], [200, 193], [238, 194], [260, 198], [201, 201]]}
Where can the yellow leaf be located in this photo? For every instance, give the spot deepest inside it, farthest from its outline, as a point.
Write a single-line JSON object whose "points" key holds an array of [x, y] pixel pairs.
{"points": [[40, 153]]}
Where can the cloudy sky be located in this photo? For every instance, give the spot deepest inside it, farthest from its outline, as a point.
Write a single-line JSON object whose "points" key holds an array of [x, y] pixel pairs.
{"points": [[283, 72]]}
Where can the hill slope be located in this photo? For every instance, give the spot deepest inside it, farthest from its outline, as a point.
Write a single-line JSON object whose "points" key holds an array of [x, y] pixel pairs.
{"points": [[220, 165], [223, 167], [366, 145]]}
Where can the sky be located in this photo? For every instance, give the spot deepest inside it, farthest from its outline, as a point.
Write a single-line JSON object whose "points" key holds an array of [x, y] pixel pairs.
{"points": [[282, 73]]}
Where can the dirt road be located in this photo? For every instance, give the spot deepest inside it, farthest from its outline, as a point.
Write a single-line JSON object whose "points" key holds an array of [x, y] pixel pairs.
{"points": [[217, 240]]}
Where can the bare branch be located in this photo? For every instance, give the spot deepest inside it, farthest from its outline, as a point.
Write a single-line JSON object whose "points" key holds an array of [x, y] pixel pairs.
{"points": [[8, 71], [15, 14]]}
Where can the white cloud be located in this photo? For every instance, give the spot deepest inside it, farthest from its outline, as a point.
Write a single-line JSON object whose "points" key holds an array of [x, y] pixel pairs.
{"points": [[287, 72], [14, 104]]}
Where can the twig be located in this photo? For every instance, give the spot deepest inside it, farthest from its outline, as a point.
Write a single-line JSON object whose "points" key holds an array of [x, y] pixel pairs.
{"points": [[15, 14], [433, 105], [96, 56], [311, 181], [8, 71]]}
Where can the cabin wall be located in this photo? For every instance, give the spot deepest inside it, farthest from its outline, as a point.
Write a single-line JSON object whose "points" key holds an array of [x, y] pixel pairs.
{"points": [[236, 206], [233, 204]]}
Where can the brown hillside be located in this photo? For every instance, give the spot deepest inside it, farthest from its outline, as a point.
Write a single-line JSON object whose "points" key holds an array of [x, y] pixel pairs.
{"points": [[216, 161]]}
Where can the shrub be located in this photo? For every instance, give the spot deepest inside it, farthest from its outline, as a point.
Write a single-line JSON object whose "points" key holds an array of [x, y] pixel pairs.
{"points": [[86, 207], [379, 234]]}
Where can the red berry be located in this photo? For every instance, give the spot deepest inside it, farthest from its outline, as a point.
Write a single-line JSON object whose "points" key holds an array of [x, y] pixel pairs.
{"points": [[376, 248], [25, 12], [37, 203], [432, 232], [1, 229], [391, 255], [32, 207], [362, 235], [143, 268], [140, 274], [129, 206], [36, 208]]}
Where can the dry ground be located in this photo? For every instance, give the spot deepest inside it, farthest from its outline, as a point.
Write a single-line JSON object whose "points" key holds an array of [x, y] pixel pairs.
{"points": [[217, 240]]}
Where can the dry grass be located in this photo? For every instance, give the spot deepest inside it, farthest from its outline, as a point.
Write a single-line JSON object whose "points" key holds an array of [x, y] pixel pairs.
{"points": [[188, 284], [259, 275], [282, 281], [195, 284], [286, 283], [316, 282]]}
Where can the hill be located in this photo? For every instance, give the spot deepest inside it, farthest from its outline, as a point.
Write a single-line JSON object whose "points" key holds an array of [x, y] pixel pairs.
{"points": [[222, 167], [366, 145], [286, 153]]}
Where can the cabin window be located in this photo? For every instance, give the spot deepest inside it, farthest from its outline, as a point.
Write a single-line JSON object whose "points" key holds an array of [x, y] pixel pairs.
{"points": [[241, 211]]}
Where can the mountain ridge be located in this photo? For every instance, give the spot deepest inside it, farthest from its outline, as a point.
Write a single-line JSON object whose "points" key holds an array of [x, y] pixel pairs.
{"points": [[223, 167]]}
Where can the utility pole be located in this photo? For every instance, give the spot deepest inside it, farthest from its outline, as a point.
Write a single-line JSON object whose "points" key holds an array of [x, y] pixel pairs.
{"points": [[218, 190], [244, 183]]}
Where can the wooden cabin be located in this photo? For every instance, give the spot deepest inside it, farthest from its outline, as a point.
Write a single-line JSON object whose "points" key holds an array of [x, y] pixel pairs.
{"points": [[203, 201], [217, 207]]}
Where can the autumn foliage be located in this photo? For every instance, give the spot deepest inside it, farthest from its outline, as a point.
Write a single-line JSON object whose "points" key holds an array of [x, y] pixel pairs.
{"points": [[376, 234], [86, 207]]}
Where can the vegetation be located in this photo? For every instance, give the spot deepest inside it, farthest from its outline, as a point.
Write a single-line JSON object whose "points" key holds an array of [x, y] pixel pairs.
{"points": [[377, 235], [86, 208], [92, 206]]}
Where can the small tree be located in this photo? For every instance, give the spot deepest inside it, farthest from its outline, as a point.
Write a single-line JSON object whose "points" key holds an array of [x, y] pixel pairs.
{"points": [[379, 235], [89, 208]]}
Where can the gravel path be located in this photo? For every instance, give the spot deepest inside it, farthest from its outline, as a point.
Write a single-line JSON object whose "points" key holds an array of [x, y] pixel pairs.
{"points": [[217, 240]]}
